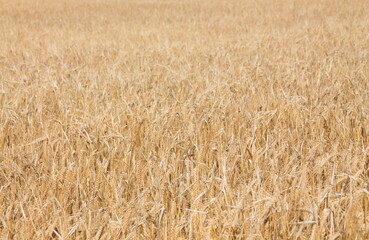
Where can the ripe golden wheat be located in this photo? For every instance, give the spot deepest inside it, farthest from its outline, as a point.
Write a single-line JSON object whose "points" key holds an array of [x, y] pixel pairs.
{"points": [[161, 119]]}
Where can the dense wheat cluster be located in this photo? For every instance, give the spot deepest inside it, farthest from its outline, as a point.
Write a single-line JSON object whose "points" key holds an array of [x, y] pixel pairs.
{"points": [[161, 119]]}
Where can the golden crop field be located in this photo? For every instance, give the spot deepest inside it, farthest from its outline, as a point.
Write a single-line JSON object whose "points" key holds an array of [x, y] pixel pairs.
{"points": [[188, 119]]}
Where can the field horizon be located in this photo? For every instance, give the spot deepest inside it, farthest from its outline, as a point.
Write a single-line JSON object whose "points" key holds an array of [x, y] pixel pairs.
{"points": [[160, 119]]}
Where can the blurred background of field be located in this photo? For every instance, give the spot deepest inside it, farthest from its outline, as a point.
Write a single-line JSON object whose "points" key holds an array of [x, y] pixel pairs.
{"points": [[184, 119]]}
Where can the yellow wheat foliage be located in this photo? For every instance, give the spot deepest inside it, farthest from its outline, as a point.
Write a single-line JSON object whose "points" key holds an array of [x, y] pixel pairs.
{"points": [[163, 119]]}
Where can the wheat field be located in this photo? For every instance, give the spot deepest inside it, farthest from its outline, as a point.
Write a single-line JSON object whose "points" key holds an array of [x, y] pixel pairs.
{"points": [[188, 119]]}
